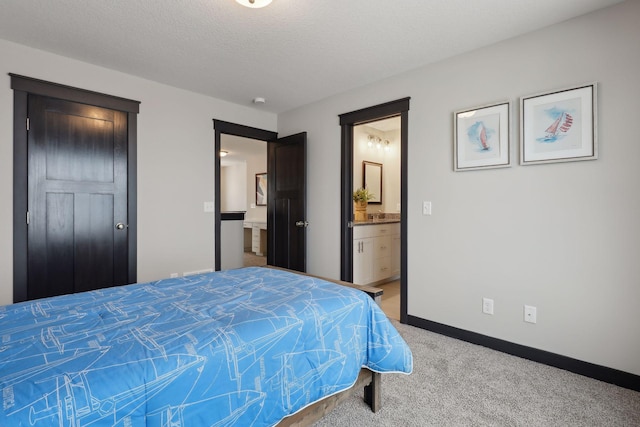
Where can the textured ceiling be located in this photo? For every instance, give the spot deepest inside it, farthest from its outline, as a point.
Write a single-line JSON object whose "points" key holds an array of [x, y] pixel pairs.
{"points": [[292, 52]]}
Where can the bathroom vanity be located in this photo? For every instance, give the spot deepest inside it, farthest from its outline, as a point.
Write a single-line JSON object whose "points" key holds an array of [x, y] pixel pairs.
{"points": [[376, 251]]}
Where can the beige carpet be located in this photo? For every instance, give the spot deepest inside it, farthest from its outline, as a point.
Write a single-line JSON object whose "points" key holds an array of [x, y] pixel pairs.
{"points": [[455, 383]]}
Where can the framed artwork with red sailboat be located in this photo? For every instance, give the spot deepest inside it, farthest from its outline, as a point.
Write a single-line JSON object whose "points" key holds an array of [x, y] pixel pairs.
{"points": [[481, 137], [559, 126]]}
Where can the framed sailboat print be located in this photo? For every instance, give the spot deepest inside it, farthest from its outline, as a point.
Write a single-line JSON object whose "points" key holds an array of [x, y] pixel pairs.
{"points": [[559, 126], [481, 137]]}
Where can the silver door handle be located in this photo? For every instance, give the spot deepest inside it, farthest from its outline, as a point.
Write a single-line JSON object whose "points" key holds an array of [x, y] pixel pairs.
{"points": [[120, 226], [302, 224]]}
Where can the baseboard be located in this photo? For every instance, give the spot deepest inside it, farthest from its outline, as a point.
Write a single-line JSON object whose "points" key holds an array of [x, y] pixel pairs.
{"points": [[602, 373]]}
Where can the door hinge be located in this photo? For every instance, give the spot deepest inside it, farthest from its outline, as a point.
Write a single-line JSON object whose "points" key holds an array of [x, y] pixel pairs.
{"points": [[350, 224], [28, 217], [27, 123]]}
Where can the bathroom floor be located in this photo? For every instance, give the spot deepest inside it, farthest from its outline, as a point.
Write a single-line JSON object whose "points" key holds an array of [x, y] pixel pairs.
{"points": [[391, 299], [251, 260]]}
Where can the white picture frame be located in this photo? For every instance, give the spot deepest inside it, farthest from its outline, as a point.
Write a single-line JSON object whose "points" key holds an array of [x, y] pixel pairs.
{"points": [[482, 137], [559, 126]]}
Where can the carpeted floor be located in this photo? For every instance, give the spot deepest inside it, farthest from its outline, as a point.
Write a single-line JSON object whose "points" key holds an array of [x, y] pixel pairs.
{"points": [[455, 383]]}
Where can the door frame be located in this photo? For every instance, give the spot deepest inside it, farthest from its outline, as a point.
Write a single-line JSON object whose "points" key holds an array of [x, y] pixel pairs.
{"points": [[221, 127], [22, 87], [400, 108]]}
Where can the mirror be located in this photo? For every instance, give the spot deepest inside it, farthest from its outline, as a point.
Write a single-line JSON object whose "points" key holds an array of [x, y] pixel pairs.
{"points": [[372, 180]]}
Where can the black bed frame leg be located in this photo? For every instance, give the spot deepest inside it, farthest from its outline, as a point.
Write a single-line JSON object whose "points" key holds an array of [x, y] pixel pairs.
{"points": [[373, 392]]}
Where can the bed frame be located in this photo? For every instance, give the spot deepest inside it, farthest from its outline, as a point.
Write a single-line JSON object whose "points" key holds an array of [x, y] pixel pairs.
{"points": [[371, 381]]}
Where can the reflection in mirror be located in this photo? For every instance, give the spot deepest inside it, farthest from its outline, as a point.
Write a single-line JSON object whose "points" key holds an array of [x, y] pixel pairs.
{"points": [[372, 180]]}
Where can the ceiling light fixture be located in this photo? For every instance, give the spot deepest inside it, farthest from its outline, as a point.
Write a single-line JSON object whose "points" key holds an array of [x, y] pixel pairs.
{"points": [[254, 4]]}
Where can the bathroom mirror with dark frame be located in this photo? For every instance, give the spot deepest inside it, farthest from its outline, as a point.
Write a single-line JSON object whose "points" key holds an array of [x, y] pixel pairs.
{"points": [[372, 180]]}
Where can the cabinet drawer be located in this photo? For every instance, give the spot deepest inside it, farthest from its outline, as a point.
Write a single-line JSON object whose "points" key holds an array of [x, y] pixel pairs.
{"points": [[363, 231], [375, 230], [382, 246], [381, 268]]}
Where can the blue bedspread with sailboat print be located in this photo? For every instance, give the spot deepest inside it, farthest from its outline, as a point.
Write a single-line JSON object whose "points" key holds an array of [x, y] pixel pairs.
{"points": [[242, 347]]}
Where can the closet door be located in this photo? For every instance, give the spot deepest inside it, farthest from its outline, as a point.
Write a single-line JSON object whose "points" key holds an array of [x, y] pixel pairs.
{"points": [[77, 201]]}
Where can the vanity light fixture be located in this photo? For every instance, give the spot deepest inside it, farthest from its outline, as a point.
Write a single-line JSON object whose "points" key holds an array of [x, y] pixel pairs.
{"points": [[377, 142], [372, 140], [223, 153], [254, 4]]}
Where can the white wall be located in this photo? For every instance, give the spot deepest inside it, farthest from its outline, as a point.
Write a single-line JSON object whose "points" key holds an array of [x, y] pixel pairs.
{"points": [[256, 163], [175, 160], [562, 237], [233, 187]]}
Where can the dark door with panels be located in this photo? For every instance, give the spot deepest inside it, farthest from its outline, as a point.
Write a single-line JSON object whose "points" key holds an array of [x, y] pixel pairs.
{"points": [[286, 204], [77, 201]]}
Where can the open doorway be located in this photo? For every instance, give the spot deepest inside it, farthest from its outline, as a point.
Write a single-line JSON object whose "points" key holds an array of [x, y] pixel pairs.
{"points": [[286, 197], [243, 179], [233, 233], [352, 250], [376, 231]]}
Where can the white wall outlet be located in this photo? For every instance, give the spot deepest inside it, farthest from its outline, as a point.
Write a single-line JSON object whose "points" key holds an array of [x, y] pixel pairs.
{"points": [[530, 314], [192, 273], [487, 305], [426, 208], [209, 207]]}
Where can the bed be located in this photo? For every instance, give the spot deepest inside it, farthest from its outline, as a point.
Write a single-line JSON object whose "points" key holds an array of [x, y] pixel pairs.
{"points": [[251, 347]]}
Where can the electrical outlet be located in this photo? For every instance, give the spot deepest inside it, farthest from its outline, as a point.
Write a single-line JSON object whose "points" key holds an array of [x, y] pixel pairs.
{"points": [[193, 273], [530, 314], [487, 305]]}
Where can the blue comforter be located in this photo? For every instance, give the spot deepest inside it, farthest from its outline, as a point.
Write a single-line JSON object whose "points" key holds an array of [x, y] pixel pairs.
{"points": [[241, 347]]}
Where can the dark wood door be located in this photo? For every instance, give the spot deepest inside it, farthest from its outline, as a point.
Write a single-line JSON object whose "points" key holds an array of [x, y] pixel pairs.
{"points": [[77, 173], [286, 204]]}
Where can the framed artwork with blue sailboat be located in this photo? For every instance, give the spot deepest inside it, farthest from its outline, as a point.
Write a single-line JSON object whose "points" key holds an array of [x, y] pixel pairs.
{"points": [[559, 126], [481, 137]]}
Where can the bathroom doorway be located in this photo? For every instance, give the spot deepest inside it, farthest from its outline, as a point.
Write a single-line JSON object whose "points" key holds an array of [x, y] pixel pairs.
{"points": [[376, 232], [374, 248]]}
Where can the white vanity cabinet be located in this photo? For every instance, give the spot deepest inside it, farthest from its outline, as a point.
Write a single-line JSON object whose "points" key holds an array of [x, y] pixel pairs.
{"points": [[395, 254], [374, 254], [362, 260], [255, 238]]}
